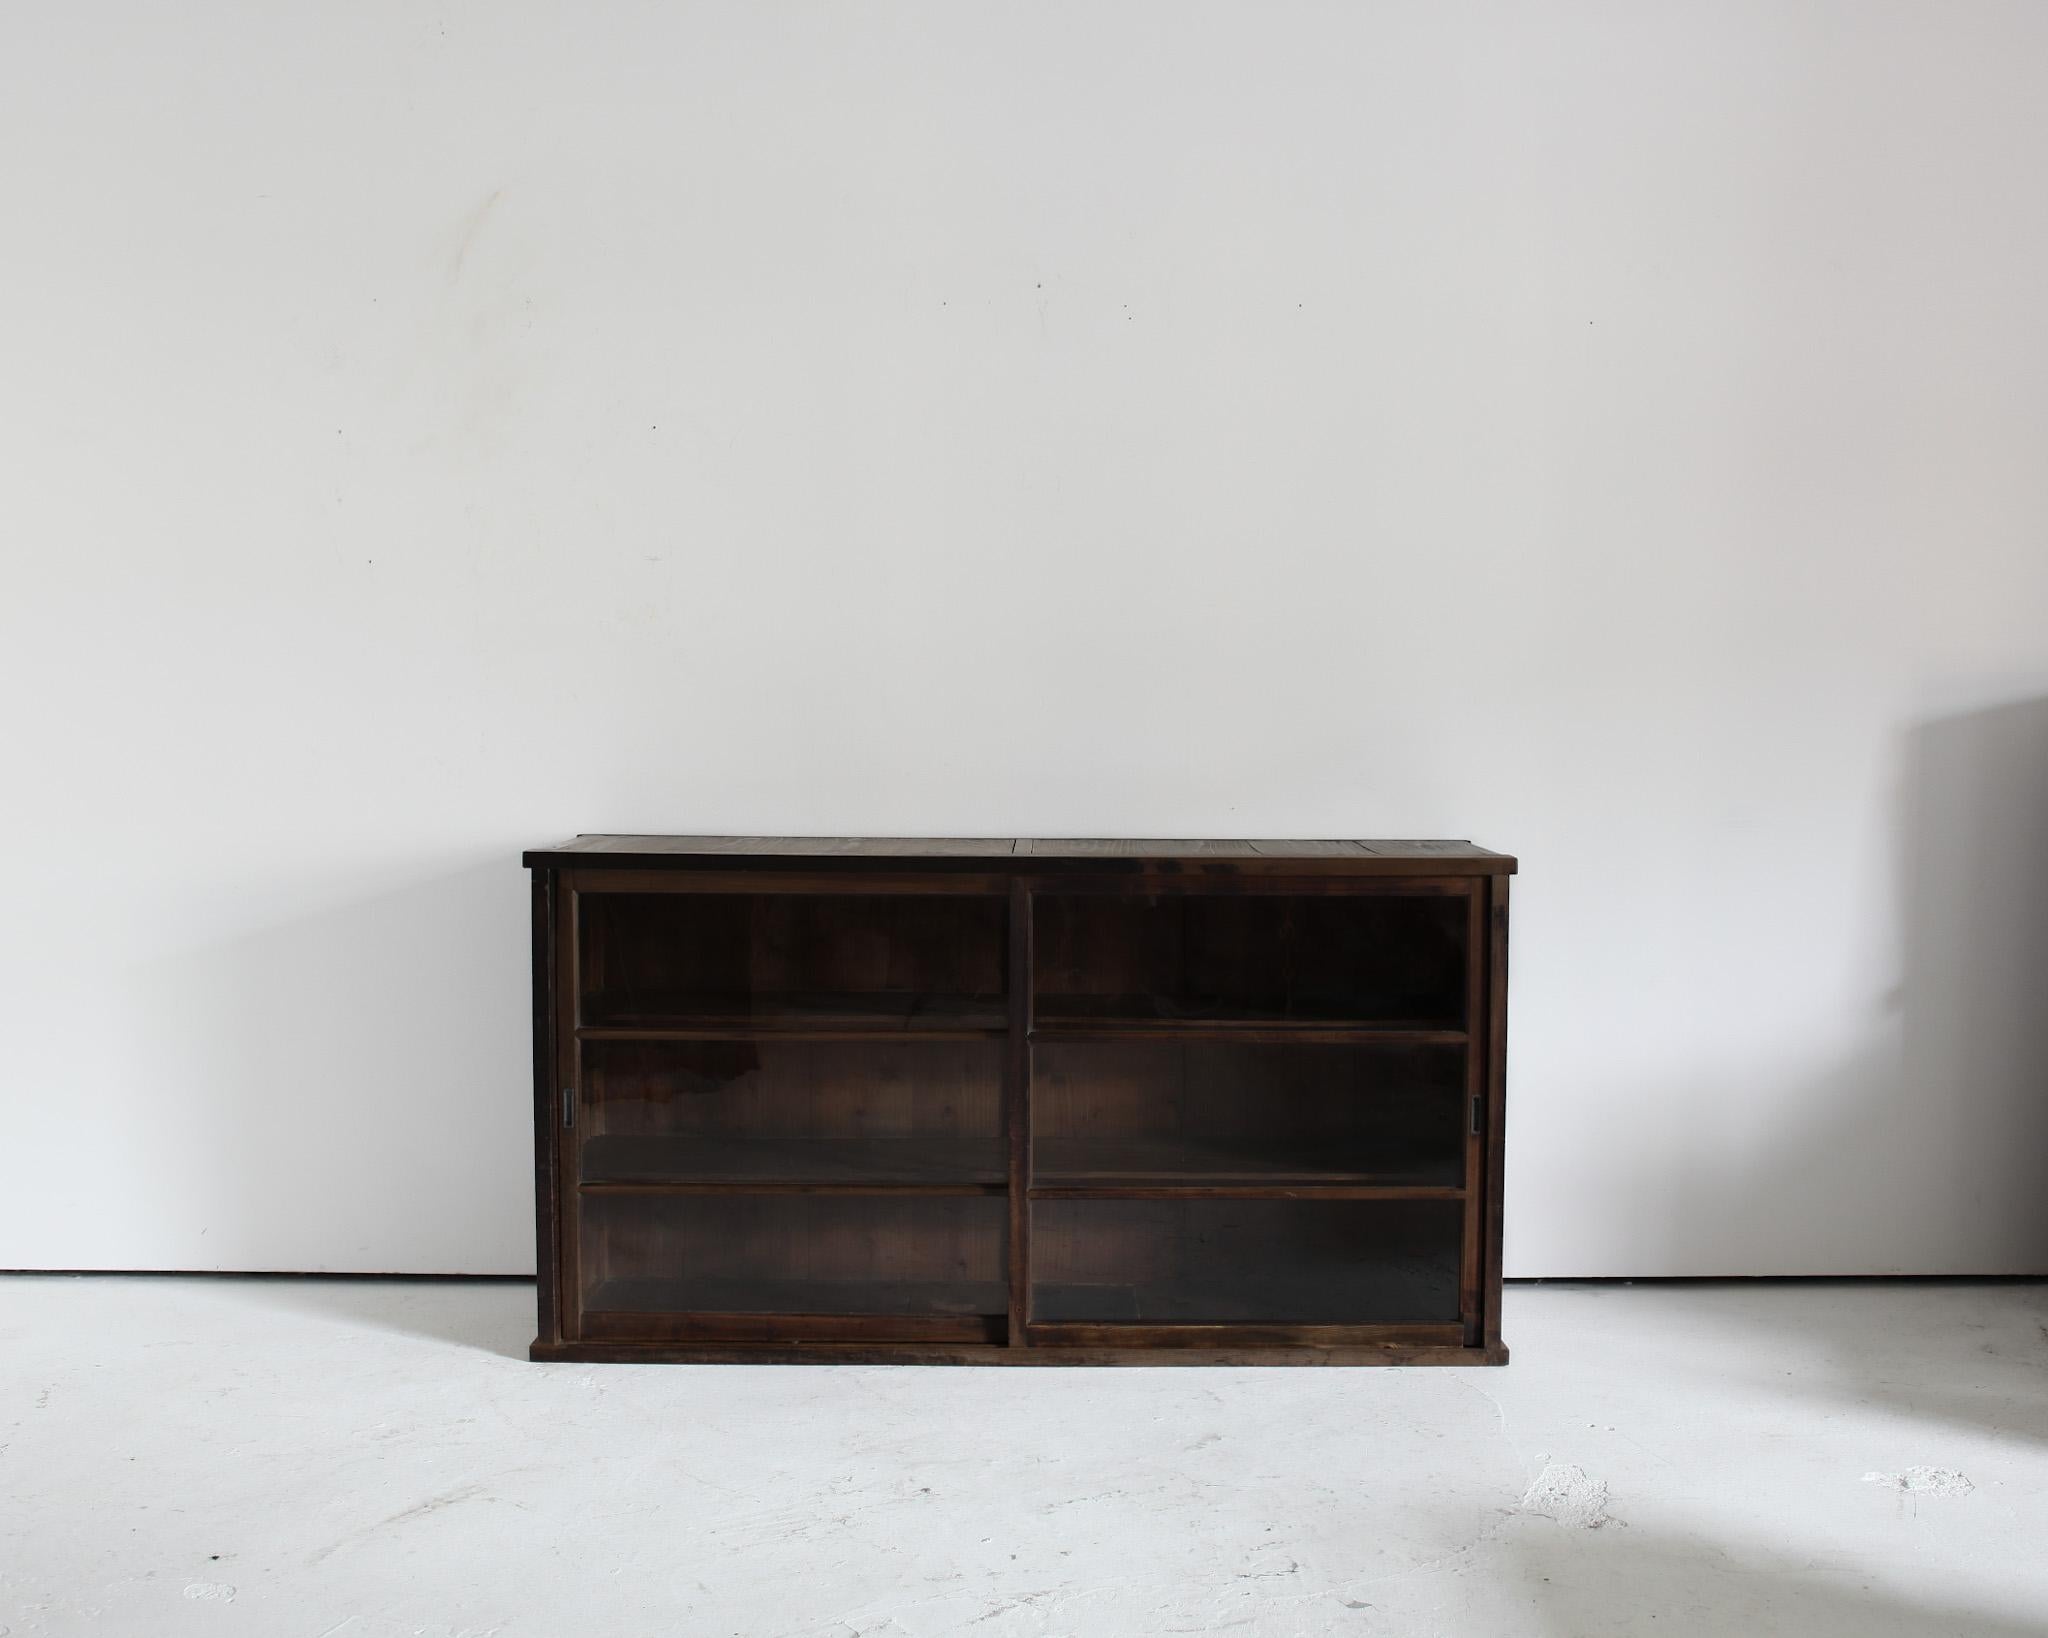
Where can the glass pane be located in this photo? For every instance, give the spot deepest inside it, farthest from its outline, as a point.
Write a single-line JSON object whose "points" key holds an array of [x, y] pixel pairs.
{"points": [[1223, 1262], [1367, 958], [892, 1111], [914, 960], [1127, 1112], [794, 1254]]}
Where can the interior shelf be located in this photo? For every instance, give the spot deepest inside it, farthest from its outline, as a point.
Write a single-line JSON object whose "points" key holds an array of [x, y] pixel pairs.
{"points": [[627, 1016], [945, 1161], [715, 1294], [1138, 1011], [1109, 1164], [1061, 1026]]}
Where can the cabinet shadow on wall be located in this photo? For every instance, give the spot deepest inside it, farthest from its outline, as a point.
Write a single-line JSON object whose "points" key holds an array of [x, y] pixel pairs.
{"points": [[1974, 987], [1967, 1101], [1918, 1149]]}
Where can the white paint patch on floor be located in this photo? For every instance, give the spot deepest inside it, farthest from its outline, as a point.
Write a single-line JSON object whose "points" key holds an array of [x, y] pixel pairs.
{"points": [[365, 1459], [1568, 1494], [1924, 1481]]}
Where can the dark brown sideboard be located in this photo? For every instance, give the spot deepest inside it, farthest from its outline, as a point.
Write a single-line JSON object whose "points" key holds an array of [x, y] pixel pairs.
{"points": [[1019, 1102]]}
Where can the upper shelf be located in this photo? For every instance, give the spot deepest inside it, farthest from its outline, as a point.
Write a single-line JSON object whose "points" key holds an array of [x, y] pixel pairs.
{"points": [[1018, 853], [665, 1015]]}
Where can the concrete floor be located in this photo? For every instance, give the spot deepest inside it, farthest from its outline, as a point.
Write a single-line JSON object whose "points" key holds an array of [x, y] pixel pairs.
{"points": [[369, 1459]]}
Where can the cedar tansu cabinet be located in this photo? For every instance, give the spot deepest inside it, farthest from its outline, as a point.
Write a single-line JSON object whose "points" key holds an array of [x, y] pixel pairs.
{"points": [[1019, 1102]]}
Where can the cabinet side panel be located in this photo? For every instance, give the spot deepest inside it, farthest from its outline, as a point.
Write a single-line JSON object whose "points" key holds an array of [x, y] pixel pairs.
{"points": [[1473, 1265], [1496, 1093], [578, 965], [546, 1131]]}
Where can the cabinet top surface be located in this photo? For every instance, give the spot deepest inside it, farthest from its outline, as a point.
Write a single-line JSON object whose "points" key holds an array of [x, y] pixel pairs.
{"points": [[1448, 857]]}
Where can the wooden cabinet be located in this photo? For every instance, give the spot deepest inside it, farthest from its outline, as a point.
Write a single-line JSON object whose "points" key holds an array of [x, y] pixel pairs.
{"points": [[1019, 1102]]}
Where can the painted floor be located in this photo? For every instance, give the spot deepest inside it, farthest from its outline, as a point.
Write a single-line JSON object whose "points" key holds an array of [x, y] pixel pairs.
{"points": [[370, 1459]]}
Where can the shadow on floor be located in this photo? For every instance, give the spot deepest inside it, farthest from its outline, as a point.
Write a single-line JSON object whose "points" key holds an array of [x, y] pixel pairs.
{"points": [[1621, 1580], [493, 1316], [1835, 1354], [1834, 1345]]}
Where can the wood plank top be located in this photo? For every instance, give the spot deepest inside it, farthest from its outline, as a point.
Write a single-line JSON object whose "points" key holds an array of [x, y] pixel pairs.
{"points": [[1030, 853]]}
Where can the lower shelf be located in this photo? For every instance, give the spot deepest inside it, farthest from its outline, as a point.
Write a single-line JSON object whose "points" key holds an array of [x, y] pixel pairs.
{"points": [[892, 1266], [713, 1294], [1250, 1301], [1246, 1262]]}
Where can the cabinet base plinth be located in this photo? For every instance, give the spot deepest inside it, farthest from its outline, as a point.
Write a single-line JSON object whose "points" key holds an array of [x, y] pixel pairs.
{"points": [[910, 1353]]}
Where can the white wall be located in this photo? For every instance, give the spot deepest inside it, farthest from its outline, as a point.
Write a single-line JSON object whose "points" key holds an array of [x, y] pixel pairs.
{"points": [[1613, 432]]}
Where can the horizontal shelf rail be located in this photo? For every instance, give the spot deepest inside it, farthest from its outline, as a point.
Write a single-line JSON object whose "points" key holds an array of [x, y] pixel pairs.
{"points": [[1056, 1334], [1254, 1031], [786, 1030], [718, 1185], [719, 1163], [1196, 1189]]}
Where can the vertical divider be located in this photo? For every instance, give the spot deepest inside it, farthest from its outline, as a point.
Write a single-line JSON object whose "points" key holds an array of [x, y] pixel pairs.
{"points": [[1017, 1107]]}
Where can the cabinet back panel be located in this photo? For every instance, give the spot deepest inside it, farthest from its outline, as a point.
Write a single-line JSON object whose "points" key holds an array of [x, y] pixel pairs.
{"points": [[646, 957], [1359, 957]]}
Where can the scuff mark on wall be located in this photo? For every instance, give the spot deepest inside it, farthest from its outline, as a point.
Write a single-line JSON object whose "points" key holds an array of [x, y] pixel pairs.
{"points": [[469, 232]]}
